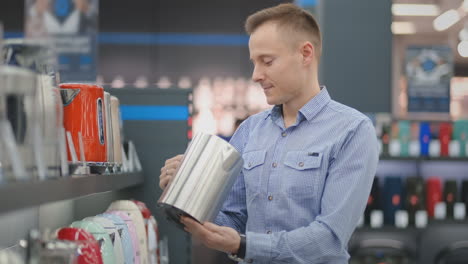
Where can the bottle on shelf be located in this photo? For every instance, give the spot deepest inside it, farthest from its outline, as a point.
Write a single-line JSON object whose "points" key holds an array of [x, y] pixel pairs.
{"points": [[404, 134], [434, 143], [433, 195], [424, 138], [373, 202], [445, 136], [415, 198], [414, 145], [393, 198], [394, 147], [385, 139], [450, 197], [464, 193], [460, 135]]}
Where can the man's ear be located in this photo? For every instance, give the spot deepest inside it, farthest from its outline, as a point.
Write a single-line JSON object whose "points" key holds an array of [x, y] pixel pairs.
{"points": [[308, 53]]}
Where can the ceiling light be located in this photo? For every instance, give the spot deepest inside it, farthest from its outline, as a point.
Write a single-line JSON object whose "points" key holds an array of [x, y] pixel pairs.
{"points": [[463, 48], [415, 10], [463, 34], [446, 20], [465, 5], [400, 28]]}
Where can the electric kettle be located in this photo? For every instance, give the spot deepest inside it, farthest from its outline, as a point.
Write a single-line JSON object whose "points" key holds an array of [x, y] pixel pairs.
{"points": [[132, 231], [114, 234], [134, 213], [206, 175], [91, 253], [17, 123], [127, 243], [103, 238]]}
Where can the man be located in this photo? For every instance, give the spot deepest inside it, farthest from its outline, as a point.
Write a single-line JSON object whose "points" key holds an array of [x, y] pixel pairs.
{"points": [[309, 162]]}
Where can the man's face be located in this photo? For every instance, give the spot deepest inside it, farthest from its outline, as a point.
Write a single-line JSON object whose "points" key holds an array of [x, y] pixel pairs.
{"points": [[278, 66]]}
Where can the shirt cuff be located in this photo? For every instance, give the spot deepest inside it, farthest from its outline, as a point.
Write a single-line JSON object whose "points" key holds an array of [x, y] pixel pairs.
{"points": [[258, 248]]}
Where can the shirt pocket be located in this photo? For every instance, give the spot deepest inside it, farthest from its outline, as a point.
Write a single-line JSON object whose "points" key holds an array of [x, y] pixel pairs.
{"points": [[253, 168], [302, 175]]}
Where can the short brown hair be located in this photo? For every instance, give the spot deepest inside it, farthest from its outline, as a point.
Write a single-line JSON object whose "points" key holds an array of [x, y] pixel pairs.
{"points": [[291, 17]]}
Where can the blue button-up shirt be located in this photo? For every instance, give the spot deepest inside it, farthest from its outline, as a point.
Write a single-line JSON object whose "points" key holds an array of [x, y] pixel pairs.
{"points": [[303, 188]]}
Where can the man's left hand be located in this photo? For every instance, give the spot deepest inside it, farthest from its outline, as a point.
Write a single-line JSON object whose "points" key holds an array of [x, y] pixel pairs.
{"points": [[216, 237]]}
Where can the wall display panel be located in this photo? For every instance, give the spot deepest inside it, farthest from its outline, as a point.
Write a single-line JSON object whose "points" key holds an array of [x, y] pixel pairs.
{"points": [[71, 27], [428, 73], [180, 16], [357, 52]]}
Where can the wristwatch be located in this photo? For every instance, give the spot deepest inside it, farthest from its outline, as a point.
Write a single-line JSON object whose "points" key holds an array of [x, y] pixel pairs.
{"points": [[240, 255]]}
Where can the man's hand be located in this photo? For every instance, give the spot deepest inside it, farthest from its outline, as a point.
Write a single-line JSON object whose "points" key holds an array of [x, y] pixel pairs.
{"points": [[216, 237], [169, 170]]}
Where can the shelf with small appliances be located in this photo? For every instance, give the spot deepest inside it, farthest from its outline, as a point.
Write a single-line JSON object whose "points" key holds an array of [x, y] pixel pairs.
{"points": [[23, 194], [422, 158]]}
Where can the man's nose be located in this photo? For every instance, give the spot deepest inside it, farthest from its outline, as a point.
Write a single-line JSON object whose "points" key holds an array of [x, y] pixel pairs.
{"points": [[257, 75]]}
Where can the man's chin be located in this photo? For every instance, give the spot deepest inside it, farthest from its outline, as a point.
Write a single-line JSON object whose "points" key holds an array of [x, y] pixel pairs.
{"points": [[271, 101]]}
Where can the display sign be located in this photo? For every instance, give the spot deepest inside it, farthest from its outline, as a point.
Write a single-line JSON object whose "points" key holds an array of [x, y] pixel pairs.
{"points": [[71, 25], [429, 71]]}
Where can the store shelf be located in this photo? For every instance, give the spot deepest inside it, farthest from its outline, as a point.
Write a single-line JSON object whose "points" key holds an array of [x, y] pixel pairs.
{"points": [[459, 159], [25, 194]]}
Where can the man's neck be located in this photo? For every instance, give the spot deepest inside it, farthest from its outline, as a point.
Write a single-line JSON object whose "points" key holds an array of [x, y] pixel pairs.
{"points": [[290, 109]]}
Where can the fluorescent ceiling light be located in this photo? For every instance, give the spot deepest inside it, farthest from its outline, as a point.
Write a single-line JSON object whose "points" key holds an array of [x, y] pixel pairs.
{"points": [[463, 48], [415, 10], [465, 5], [400, 28], [446, 20], [463, 34]]}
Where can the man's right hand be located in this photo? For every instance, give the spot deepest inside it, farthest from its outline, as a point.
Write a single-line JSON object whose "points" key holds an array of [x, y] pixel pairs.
{"points": [[169, 170]]}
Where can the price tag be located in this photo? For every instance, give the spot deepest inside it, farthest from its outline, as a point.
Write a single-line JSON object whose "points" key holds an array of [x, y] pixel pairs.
{"points": [[376, 219], [421, 219], [401, 219], [434, 148], [459, 211], [414, 149], [394, 148], [440, 211], [454, 148]]}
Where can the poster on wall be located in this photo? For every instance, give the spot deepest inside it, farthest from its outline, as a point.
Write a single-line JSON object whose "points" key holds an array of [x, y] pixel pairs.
{"points": [[72, 27], [429, 71]]}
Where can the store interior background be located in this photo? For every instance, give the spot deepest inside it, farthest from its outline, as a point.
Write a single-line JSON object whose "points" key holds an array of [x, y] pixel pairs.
{"points": [[201, 45]]}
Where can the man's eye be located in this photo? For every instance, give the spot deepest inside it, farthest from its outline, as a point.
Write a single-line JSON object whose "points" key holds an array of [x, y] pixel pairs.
{"points": [[269, 62]]}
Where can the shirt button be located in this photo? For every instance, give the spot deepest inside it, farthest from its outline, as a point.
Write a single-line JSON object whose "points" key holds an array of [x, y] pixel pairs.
{"points": [[268, 232], [274, 164], [250, 164], [283, 134], [301, 164], [270, 197]]}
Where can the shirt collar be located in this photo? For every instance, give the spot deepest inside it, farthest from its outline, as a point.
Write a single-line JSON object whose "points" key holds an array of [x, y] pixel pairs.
{"points": [[309, 110]]}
